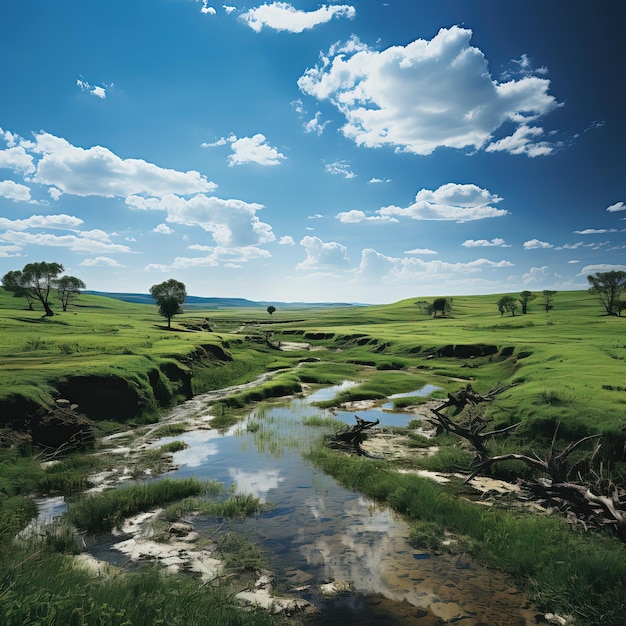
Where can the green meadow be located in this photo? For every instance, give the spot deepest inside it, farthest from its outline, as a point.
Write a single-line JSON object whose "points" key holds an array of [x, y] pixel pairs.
{"points": [[564, 372]]}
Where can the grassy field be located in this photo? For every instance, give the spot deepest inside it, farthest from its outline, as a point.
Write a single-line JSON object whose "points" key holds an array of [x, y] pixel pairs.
{"points": [[565, 369]]}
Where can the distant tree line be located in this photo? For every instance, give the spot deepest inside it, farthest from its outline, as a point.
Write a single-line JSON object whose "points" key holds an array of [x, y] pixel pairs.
{"points": [[37, 282]]}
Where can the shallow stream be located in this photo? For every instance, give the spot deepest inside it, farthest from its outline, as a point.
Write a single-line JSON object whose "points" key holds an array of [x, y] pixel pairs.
{"points": [[318, 531]]}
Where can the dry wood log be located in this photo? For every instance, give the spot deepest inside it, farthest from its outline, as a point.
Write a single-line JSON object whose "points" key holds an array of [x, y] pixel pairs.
{"points": [[354, 436]]}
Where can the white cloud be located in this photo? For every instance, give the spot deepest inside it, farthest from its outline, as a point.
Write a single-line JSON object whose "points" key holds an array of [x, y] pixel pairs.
{"points": [[283, 16], [535, 275], [355, 216], [97, 90], [483, 243], [219, 255], [339, 168], [314, 125], [77, 242], [101, 261], [206, 9], [67, 222], [233, 223], [379, 180], [601, 267], [420, 251], [97, 171], [535, 244], [618, 206], [162, 229], [17, 159], [424, 95], [286, 240], [229, 9], [522, 142], [254, 150], [14, 191], [595, 231], [375, 265], [460, 203], [322, 255]]}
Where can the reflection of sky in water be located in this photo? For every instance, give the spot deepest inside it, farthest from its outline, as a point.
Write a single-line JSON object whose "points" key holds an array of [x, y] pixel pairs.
{"points": [[318, 529], [328, 393], [256, 483]]}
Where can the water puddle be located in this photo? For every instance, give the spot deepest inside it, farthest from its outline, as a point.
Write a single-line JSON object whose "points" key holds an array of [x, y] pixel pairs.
{"points": [[319, 532]]}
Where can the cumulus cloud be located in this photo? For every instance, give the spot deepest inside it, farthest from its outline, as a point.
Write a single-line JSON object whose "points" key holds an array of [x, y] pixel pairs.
{"points": [[379, 180], [535, 244], [97, 171], [375, 265], [315, 125], [322, 255], [601, 267], [284, 16], [460, 203], [100, 261], [78, 242], [100, 91], [233, 223], [427, 94], [286, 240], [355, 216], [254, 150], [14, 191], [17, 159], [484, 243], [618, 206], [339, 168], [523, 141], [66, 222], [420, 251], [219, 255], [162, 229], [535, 275], [595, 231]]}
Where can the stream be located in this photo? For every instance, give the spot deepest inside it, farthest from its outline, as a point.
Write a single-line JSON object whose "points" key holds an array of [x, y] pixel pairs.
{"points": [[318, 531]]}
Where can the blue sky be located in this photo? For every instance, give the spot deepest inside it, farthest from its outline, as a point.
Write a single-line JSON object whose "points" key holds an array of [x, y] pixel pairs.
{"points": [[366, 151]]}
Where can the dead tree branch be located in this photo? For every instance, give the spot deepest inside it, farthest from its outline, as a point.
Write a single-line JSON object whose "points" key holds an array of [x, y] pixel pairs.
{"points": [[353, 437]]}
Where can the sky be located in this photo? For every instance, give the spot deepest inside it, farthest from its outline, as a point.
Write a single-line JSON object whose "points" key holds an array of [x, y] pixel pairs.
{"points": [[365, 151]]}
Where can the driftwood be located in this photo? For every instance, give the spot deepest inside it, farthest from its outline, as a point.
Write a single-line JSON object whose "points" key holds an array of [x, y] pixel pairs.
{"points": [[353, 437], [600, 504], [474, 430]]}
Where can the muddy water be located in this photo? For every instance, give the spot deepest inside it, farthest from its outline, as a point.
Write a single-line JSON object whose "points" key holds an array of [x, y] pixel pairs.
{"points": [[319, 532]]}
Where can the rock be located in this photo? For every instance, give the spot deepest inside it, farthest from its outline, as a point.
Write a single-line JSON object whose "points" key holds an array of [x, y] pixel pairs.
{"points": [[335, 588]]}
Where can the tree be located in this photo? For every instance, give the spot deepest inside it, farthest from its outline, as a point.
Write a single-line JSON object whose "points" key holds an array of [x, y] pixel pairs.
{"points": [[169, 296], [68, 286], [442, 305], [608, 286], [507, 304], [525, 297], [34, 282], [548, 296], [271, 309], [13, 282]]}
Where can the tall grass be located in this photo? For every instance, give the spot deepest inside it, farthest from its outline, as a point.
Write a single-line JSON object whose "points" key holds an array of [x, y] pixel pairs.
{"points": [[40, 587], [104, 511], [583, 575]]}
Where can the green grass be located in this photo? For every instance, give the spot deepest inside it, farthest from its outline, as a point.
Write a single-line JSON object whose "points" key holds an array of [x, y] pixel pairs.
{"points": [[583, 575], [104, 511]]}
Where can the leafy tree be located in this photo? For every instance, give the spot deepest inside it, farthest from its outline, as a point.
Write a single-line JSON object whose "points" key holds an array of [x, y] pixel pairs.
{"points": [[67, 287], [169, 296], [271, 309], [608, 286], [548, 296], [525, 297], [507, 304], [34, 282], [13, 282], [442, 305]]}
